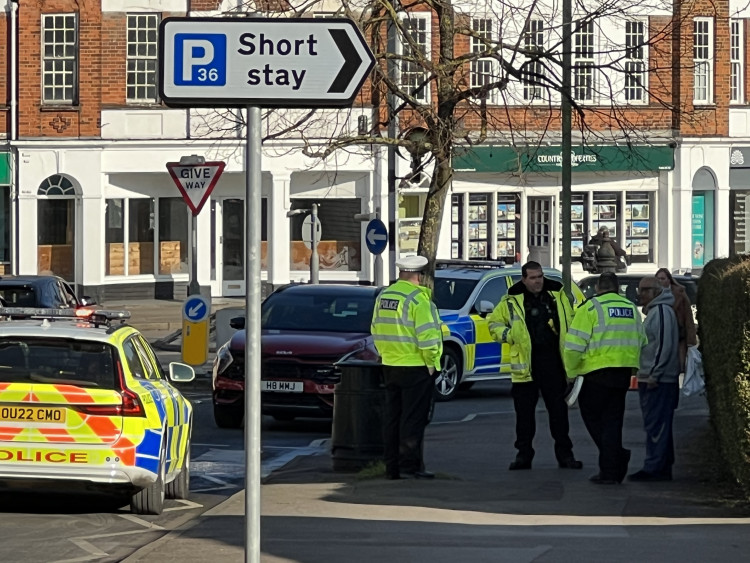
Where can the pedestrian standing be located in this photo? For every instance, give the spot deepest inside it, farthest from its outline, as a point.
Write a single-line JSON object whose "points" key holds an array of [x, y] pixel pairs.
{"points": [[533, 318], [658, 380], [603, 345], [407, 335], [684, 312]]}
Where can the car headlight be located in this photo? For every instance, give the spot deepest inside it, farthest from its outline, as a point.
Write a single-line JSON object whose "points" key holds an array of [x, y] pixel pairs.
{"points": [[364, 354], [223, 358]]}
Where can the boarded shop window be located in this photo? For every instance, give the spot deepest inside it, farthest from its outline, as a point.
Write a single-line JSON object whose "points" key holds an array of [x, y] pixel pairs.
{"points": [[340, 247], [173, 235]]}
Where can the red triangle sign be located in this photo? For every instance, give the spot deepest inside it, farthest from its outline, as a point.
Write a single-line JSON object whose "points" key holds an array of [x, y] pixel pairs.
{"points": [[195, 181]]}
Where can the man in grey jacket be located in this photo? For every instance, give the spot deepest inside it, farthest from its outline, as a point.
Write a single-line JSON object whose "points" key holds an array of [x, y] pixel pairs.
{"points": [[658, 380]]}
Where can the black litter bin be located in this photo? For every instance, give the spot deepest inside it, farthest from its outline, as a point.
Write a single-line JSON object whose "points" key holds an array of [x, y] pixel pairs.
{"points": [[358, 415]]}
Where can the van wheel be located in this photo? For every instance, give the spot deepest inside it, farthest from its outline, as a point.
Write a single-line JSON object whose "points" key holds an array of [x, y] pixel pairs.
{"points": [[447, 381]]}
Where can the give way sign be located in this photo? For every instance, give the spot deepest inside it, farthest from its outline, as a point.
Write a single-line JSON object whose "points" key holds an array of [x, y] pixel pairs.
{"points": [[195, 181]]}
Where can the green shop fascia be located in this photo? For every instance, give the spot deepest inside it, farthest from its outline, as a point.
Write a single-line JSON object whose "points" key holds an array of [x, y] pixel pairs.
{"points": [[4, 169], [541, 159]]}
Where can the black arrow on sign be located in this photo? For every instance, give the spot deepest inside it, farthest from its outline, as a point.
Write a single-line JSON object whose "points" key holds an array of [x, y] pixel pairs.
{"points": [[352, 61]]}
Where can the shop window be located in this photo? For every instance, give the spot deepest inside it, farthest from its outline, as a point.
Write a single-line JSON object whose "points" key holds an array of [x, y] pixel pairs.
{"points": [[4, 230], [508, 227], [140, 251], [340, 247], [739, 234], [56, 227], [605, 212], [638, 227], [478, 226], [410, 209], [579, 236], [173, 235], [114, 237], [457, 225]]}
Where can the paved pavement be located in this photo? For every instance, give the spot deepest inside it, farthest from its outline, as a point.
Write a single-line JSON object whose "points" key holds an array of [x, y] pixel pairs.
{"points": [[478, 511]]}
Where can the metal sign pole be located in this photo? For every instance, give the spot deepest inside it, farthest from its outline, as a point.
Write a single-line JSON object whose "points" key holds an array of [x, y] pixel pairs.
{"points": [[378, 259], [314, 257], [253, 204], [194, 288]]}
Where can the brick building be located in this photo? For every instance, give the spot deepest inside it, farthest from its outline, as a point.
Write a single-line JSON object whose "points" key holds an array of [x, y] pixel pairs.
{"points": [[84, 141]]}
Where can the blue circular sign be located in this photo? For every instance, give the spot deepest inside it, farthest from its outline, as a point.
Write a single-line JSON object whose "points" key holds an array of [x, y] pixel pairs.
{"points": [[376, 236], [196, 308]]}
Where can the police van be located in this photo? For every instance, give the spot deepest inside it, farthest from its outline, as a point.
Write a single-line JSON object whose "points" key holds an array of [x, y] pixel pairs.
{"points": [[465, 292]]}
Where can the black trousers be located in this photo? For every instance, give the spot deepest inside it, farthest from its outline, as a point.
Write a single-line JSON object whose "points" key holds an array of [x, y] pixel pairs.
{"points": [[525, 398], [408, 398], [603, 411]]}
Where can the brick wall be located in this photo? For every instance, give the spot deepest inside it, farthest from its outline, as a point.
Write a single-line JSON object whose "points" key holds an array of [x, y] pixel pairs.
{"points": [[102, 75]]}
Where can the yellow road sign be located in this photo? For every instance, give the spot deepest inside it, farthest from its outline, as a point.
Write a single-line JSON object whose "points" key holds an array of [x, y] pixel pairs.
{"points": [[195, 342]]}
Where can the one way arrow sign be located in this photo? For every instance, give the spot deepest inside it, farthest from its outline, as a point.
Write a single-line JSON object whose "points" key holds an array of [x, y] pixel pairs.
{"points": [[227, 62]]}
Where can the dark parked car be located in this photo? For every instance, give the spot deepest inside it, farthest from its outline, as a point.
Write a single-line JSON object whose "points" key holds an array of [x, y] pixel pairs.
{"points": [[305, 330], [629, 286], [50, 292]]}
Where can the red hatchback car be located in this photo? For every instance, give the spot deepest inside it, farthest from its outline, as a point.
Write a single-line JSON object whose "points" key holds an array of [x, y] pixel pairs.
{"points": [[305, 330]]}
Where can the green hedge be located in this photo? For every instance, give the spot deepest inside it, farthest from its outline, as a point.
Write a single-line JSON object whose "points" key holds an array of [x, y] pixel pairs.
{"points": [[724, 331]]}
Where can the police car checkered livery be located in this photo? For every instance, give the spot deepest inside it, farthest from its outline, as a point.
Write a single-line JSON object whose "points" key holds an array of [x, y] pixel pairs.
{"points": [[465, 292], [83, 399]]}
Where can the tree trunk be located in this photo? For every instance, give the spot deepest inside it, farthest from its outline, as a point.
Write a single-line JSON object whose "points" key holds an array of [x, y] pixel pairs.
{"points": [[442, 179]]}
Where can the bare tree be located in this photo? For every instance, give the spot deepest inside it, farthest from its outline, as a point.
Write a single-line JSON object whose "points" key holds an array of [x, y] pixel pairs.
{"points": [[490, 71]]}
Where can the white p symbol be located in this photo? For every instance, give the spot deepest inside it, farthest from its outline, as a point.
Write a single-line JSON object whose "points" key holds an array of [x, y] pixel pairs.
{"points": [[189, 60]]}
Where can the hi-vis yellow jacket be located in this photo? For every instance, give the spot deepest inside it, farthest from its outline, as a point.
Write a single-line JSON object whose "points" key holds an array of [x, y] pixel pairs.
{"points": [[406, 326], [606, 333], [507, 323]]}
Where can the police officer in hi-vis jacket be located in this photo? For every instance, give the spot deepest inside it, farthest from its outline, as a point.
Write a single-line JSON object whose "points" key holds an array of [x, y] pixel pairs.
{"points": [[406, 331], [533, 318]]}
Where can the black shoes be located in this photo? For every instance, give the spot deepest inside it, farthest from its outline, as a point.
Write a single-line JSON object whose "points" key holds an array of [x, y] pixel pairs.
{"points": [[645, 476], [392, 476], [599, 480], [570, 463], [520, 463]]}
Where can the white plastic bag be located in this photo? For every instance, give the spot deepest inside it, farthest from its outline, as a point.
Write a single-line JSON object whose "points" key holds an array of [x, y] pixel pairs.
{"points": [[693, 384]]}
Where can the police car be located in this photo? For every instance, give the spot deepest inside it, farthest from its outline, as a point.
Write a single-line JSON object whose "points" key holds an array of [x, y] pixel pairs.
{"points": [[465, 292], [84, 399]]}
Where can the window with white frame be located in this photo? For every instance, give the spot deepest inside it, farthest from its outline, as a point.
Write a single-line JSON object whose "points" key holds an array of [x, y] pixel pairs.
{"points": [[533, 69], [736, 57], [142, 54], [583, 62], [635, 61], [59, 59], [703, 57], [481, 69], [414, 50]]}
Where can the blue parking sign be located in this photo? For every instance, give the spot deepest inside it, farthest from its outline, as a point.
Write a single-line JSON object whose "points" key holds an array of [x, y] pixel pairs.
{"points": [[200, 59]]}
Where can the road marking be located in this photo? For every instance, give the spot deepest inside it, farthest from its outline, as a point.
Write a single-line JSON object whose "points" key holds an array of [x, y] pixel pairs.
{"points": [[187, 505], [140, 521]]}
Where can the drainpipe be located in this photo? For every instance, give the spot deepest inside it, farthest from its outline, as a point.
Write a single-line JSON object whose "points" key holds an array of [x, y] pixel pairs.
{"points": [[14, 132]]}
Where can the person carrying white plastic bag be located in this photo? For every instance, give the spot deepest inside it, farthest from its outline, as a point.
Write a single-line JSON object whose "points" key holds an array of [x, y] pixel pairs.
{"points": [[693, 384]]}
